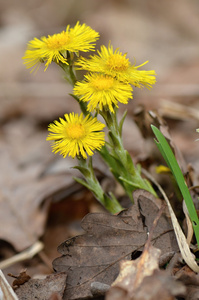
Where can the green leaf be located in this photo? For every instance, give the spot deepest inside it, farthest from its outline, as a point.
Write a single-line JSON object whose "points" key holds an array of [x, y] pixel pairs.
{"points": [[122, 122], [172, 163], [82, 182], [131, 183], [112, 161], [83, 170], [131, 168], [112, 204], [114, 140]]}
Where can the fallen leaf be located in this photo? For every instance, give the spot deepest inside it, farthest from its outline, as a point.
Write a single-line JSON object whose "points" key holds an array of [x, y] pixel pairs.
{"points": [[166, 242], [137, 277], [95, 255], [132, 273], [187, 276], [191, 280], [165, 287], [19, 279], [159, 285], [42, 289], [27, 185], [24, 213]]}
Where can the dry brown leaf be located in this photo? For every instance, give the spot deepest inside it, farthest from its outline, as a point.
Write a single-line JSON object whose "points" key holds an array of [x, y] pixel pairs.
{"points": [[132, 273], [24, 213], [27, 183], [154, 286], [137, 277], [95, 256], [191, 280], [159, 286], [19, 279], [179, 111], [42, 289]]}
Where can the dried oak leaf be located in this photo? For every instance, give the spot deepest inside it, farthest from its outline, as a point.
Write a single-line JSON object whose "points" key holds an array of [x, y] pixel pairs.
{"points": [[95, 255], [43, 289], [132, 273], [166, 243], [142, 280]]}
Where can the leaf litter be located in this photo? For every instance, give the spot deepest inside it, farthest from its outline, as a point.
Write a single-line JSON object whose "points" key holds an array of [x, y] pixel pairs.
{"points": [[30, 223], [28, 185], [136, 277], [43, 289], [95, 255], [185, 71]]}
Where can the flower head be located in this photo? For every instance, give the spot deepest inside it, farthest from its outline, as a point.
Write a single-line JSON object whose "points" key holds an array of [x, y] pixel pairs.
{"points": [[76, 135], [55, 47], [102, 91], [116, 64], [162, 169]]}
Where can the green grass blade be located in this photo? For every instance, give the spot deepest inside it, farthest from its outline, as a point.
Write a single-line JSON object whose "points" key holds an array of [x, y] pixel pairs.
{"points": [[172, 163]]}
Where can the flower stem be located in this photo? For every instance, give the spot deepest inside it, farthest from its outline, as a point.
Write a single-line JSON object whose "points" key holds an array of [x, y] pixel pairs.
{"points": [[124, 169], [92, 183], [70, 76]]}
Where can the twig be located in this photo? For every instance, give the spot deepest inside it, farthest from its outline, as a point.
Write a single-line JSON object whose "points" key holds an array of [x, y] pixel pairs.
{"points": [[26, 254]]}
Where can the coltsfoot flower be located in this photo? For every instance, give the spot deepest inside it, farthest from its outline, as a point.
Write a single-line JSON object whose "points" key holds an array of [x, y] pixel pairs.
{"points": [[55, 47], [162, 169], [102, 92], [76, 135], [116, 64]]}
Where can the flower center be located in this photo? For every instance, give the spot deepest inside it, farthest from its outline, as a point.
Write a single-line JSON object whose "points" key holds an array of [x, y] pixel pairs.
{"points": [[75, 131], [58, 41], [102, 82], [117, 62]]}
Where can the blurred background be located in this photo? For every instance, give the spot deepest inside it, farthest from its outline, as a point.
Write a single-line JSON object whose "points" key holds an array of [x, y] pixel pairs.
{"points": [[165, 33]]}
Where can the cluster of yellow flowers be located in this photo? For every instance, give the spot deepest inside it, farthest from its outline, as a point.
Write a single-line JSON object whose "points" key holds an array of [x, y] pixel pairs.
{"points": [[109, 81]]}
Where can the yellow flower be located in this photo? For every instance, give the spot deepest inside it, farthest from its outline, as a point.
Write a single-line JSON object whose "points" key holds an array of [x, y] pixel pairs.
{"points": [[76, 135], [102, 91], [162, 169], [55, 47], [115, 64]]}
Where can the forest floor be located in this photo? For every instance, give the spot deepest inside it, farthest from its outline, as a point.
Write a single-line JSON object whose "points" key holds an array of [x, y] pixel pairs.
{"points": [[40, 203]]}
